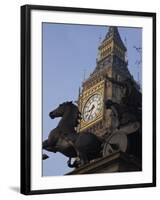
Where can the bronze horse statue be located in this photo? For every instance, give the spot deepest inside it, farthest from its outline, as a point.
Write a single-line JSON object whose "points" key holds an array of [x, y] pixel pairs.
{"points": [[66, 140]]}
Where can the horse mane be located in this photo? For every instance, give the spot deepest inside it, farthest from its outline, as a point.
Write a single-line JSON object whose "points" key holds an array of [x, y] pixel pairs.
{"points": [[75, 109], [69, 103]]}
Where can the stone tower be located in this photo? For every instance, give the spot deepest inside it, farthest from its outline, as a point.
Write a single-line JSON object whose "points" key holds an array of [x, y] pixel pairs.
{"points": [[97, 88]]}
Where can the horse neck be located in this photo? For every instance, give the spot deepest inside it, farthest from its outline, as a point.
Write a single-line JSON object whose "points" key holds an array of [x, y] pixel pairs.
{"points": [[67, 123]]}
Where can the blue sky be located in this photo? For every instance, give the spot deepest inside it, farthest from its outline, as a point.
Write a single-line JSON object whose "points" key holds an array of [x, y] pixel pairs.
{"points": [[69, 51]]}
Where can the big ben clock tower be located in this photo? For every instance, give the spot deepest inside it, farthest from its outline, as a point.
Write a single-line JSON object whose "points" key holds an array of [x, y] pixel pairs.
{"points": [[97, 89]]}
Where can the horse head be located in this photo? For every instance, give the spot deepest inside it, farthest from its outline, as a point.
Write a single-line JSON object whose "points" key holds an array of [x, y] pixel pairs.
{"points": [[67, 108], [58, 112]]}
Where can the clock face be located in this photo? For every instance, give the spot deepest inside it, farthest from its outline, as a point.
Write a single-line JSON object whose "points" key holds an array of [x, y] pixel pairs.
{"points": [[92, 108]]}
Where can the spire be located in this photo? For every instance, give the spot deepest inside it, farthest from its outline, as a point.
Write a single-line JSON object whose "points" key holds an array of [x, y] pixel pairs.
{"points": [[112, 52], [114, 34]]}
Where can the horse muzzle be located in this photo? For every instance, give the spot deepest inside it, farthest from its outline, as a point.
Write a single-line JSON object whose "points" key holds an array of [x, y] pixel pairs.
{"points": [[52, 116]]}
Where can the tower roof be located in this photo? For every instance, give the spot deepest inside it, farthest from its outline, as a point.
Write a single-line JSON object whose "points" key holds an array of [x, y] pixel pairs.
{"points": [[114, 34]]}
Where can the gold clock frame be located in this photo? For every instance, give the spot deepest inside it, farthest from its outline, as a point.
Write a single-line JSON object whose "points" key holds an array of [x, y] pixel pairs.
{"points": [[96, 89]]}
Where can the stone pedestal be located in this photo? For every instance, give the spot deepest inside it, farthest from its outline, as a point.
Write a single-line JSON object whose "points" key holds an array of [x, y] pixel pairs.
{"points": [[117, 162]]}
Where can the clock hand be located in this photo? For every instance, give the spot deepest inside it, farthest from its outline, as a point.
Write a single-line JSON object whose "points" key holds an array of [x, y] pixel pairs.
{"points": [[91, 111], [93, 106], [90, 114]]}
